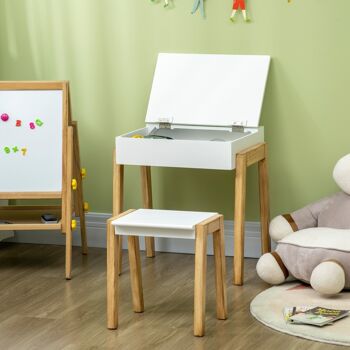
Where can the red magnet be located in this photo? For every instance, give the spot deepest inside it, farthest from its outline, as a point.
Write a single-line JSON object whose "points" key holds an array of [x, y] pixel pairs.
{"points": [[5, 117], [18, 122], [32, 125]]}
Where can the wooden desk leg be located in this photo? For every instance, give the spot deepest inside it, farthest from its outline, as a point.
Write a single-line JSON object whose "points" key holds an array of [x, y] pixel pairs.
{"points": [[112, 277], [118, 199], [239, 218], [135, 273], [264, 204], [146, 184], [200, 280], [220, 271]]}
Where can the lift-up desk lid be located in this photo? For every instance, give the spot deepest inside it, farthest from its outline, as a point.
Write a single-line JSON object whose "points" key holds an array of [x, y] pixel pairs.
{"points": [[208, 90]]}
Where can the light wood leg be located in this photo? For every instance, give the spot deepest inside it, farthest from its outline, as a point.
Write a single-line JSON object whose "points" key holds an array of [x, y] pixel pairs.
{"points": [[68, 215], [69, 254], [200, 280], [220, 272], [146, 184], [79, 201], [112, 277], [239, 218], [135, 273], [118, 200], [264, 204]]}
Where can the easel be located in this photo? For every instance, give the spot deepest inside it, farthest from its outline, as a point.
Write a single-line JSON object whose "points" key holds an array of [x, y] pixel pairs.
{"points": [[28, 218], [253, 155]]}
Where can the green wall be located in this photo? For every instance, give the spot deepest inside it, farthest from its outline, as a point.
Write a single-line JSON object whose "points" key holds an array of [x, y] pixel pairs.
{"points": [[108, 48]]}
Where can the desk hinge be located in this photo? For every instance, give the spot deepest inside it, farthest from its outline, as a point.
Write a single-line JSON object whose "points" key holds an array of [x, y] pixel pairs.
{"points": [[163, 125], [237, 128]]}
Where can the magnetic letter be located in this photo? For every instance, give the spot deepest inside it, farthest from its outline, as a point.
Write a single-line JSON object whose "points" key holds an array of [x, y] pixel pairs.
{"points": [[18, 122], [32, 125], [7, 150], [38, 122], [5, 117], [15, 149], [24, 151]]}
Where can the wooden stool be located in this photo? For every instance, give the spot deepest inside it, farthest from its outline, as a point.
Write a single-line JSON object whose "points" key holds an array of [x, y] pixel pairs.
{"points": [[169, 224]]}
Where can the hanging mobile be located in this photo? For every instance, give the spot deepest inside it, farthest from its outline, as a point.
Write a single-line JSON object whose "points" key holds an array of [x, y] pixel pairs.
{"points": [[198, 4], [166, 2], [239, 4]]}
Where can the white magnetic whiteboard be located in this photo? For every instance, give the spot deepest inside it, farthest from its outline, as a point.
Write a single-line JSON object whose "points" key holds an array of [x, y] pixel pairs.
{"points": [[31, 154], [215, 90]]}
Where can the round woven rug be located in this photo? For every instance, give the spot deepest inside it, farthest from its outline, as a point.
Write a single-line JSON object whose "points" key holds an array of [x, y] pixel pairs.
{"points": [[267, 307]]}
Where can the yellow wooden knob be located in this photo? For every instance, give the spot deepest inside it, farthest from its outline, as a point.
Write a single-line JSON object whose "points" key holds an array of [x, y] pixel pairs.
{"points": [[86, 206], [83, 173], [74, 224], [74, 184]]}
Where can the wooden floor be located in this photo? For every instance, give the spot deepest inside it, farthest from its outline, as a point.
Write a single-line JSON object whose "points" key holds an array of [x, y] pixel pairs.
{"points": [[39, 309]]}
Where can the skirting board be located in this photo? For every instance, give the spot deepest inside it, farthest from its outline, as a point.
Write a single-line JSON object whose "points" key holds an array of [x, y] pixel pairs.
{"points": [[96, 232]]}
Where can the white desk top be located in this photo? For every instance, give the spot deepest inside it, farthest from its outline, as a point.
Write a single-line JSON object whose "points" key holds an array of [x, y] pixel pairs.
{"points": [[182, 220]]}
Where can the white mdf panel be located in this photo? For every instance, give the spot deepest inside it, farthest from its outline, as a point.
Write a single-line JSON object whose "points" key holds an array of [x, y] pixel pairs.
{"points": [[185, 153], [201, 89], [160, 223], [40, 170]]}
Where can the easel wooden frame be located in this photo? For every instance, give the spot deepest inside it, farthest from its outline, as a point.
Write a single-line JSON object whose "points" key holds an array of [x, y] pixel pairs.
{"points": [[26, 217], [244, 159]]}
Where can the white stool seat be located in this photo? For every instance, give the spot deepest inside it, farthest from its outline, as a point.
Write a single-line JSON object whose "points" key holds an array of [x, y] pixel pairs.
{"points": [[160, 223]]}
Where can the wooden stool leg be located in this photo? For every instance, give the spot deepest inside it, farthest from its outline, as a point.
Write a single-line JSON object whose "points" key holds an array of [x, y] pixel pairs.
{"points": [[112, 277], [200, 280], [146, 184], [135, 273], [239, 218], [220, 272], [264, 204], [118, 198], [120, 255]]}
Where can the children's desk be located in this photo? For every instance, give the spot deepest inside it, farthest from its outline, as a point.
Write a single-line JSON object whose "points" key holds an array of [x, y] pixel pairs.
{"points": [[203, 113]]}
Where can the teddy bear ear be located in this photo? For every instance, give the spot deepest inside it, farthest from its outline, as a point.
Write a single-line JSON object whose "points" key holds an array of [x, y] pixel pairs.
{"points": [[341, 173]]}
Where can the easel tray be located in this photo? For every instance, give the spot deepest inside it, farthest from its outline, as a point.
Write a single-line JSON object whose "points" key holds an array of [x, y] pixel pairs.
{"points": [[28, 218]]}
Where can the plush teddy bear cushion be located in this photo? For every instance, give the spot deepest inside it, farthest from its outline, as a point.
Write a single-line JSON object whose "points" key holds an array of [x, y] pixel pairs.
{"points": [[302, 251]]}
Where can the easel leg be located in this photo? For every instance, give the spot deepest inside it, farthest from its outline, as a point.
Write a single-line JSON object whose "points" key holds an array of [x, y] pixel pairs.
{"points": [[220, 272], [79, 195], [118, 198], [112, 277], [200, 281], [69, 254], [146, 184], [239, 218], [264, 204], [68, 221]]}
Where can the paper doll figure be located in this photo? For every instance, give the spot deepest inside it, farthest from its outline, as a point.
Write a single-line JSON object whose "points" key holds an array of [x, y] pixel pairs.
{"points": [[239, 4], [198, 4], [166, 2]]}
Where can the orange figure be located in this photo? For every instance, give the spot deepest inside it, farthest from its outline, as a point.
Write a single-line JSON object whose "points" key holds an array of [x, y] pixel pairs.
{"points": [[238, 4]]}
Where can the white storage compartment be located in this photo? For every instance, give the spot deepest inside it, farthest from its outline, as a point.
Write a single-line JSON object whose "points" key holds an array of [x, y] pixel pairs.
{"points": [[203, 109]]}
